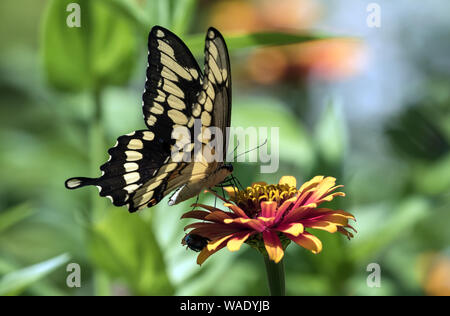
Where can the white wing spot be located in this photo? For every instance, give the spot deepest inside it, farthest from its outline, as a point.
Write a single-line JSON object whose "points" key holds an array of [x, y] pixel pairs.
{"points": [[149, 136], [133, 155]]}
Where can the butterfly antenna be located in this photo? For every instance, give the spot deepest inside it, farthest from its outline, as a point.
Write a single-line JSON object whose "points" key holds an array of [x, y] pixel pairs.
{"points": [[223, 193], [237, 182], [235, 148], [265, 142], [196, 201]]}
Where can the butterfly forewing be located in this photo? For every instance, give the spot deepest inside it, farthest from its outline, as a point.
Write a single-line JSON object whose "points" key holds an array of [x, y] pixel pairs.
{"points": [[173, 82]]}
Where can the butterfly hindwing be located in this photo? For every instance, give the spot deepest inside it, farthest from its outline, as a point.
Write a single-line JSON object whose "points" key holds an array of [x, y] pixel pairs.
{"points": [[136, 158]]}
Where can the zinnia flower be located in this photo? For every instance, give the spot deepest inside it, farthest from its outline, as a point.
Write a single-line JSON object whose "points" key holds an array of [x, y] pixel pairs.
{"points": [[269, 217]]}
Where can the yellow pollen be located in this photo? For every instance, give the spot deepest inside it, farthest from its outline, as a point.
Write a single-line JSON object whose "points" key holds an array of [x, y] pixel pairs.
{"points": [[250, 198]]}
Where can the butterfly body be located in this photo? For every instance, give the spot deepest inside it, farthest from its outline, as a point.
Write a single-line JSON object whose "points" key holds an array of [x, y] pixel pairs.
{"points": [[142, 167]]}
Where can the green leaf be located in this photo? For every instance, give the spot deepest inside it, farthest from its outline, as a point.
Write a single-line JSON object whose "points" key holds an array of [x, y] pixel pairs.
{"points": [[432, 178], [252, 40], [380, 227], [132, 11], [331, 135], [124, 246], [182, 15], [15, 282], [163, 9], [14, 215], [100, 52], [294, 142]]}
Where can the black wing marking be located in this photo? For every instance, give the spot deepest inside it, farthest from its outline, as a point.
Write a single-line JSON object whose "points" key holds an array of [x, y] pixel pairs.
{"points": [[136, 158], [173, 82]]}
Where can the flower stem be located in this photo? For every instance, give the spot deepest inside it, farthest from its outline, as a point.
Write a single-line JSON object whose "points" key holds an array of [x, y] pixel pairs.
{"points": [[275, 277]]}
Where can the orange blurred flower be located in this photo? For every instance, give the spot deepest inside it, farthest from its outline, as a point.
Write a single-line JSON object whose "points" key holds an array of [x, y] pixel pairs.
{"points": [[288, 14], [235, 16], [328, 59], [437, 277], [268, 217]]}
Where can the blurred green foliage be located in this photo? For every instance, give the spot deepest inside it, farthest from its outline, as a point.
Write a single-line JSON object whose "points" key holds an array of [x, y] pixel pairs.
{"points": [[67, 93]]}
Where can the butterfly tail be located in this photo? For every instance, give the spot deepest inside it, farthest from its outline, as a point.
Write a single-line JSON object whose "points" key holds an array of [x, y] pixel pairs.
{"points": [[75, 183]]}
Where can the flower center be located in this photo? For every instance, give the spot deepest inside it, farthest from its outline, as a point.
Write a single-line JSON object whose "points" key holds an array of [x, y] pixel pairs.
{"points": [[250, 198]]}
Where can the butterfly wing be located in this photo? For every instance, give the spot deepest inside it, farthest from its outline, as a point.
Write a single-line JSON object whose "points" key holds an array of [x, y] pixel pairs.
{"points": [[218, 73], [214, 109], [134, 160], [141, 171], [173, 82], [140, 166]]}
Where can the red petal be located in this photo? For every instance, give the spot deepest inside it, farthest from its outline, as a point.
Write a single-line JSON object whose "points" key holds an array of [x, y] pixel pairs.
{"points": [[236, 209], [268, 208], [273, 246]]}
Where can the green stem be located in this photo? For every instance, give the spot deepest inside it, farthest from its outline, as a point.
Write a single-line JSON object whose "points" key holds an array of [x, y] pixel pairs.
{"points": [[275, 277]]}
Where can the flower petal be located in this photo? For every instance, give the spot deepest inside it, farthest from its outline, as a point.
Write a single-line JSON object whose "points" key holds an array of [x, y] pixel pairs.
{"points": [[268, 208], [294, 229], [296, 214], [212, 245], [310, 184], [273, 246], [253, 224], [205, 253], [284, 207], [195, 214], [231, 191], [308, 241], [321, 190], [345, 232], [236, 209], [330, 211], [217, 216], [214, 231], [322, 225], [289, 180], [235, 243], [206, 207], [328, 198], [337, 219]]}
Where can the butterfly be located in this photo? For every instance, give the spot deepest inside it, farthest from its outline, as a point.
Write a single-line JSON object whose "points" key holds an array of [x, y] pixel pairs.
{"points": [[142, 168]]}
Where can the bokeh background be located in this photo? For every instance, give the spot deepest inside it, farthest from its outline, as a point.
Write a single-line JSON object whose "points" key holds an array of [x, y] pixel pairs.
{"points": [[369, 106]]}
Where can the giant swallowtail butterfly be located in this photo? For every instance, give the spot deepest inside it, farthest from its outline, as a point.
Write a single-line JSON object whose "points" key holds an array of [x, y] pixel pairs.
{"points": [[141, 169]]}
